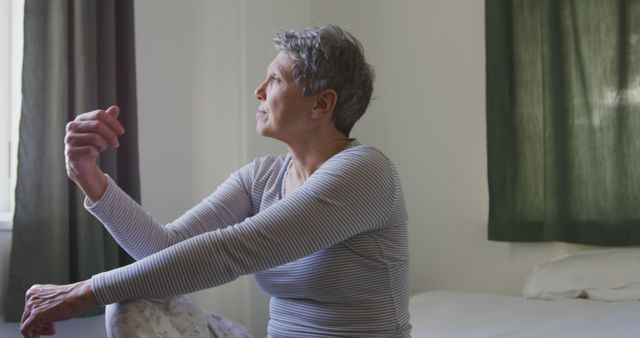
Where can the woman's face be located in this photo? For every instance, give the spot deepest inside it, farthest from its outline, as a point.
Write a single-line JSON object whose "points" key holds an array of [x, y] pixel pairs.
{"points": [[283, 112]]}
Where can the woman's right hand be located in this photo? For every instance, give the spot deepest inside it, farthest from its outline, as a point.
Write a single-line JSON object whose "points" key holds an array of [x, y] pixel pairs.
{"points": [[87, 136]]}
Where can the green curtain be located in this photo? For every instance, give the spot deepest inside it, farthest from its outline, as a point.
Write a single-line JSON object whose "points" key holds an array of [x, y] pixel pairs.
{"points": [[563, 120], [78, 56]]}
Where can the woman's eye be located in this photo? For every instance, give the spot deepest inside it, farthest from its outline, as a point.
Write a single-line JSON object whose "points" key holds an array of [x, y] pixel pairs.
{"points": [[275, 79]]}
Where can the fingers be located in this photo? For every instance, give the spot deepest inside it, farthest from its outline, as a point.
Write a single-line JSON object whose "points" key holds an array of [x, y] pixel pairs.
{"points": [[111, 118], [29, 327], [98, 128], [48, 329], [113, 111], [74, 140], [93, 127], [30, 298], [29, 295]]}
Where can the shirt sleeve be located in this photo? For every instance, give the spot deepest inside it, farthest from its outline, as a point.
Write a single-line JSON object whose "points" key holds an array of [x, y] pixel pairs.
{"points": [[351, 193], [136, 231]]}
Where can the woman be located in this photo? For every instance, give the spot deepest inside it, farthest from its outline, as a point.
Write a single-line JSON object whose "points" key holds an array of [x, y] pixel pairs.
{"points": [[323, 228]]}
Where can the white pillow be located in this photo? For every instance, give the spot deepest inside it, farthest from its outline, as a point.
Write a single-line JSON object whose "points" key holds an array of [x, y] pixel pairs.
{"points": [[609, 275]]}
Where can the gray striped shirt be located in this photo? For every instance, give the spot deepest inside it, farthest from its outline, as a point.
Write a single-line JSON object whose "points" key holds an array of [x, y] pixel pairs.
{"points": [[333, 254]]}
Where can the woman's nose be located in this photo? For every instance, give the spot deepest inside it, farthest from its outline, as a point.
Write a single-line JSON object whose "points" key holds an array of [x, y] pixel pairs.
{"points": [[259, 92]]}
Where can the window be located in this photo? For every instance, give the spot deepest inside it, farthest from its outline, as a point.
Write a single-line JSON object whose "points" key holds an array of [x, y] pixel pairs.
{"points": [[563, 116], [11, 20]]}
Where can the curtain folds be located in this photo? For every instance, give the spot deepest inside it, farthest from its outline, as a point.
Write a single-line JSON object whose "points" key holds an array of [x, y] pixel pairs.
{"points": [[78, 56], [563, 120]]}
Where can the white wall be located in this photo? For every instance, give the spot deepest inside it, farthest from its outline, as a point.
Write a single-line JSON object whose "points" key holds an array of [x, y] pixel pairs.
{"points": [[199, 61], [189, 121]]}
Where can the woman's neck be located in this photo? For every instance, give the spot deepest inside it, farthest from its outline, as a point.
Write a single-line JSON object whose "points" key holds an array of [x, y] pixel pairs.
{"points": [[309, 156]]}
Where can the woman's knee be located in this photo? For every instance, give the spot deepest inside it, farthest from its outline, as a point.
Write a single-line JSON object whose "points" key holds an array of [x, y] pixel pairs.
{"points": [[133, 318], [170, 317]]}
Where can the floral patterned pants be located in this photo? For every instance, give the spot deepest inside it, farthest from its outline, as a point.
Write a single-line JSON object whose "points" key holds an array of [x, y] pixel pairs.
{"points": [[168, 318]]}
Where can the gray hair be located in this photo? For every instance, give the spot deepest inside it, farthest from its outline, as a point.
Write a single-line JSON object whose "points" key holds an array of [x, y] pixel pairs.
{"points": [[328, 57]]}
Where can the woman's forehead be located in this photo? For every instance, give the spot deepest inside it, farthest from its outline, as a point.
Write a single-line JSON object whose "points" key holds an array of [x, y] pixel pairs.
{"points": [[282, 63]]}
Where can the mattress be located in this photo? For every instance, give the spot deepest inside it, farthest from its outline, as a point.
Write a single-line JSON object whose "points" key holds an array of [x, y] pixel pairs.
{"points": [[457, 314]]}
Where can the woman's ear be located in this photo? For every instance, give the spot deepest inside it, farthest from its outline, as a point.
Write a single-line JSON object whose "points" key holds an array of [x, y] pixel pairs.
{"points": [[325, 103]]}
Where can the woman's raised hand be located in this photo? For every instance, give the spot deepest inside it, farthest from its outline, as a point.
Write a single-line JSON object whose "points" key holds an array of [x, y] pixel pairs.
{"points": [[87, 136]]}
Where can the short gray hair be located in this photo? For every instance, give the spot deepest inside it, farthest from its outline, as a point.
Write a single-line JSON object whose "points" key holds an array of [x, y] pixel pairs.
{"points": [[329, 57]]}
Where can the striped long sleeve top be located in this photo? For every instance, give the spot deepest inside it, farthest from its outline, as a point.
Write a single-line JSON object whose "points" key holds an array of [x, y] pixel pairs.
{"points": [[333, 254]]}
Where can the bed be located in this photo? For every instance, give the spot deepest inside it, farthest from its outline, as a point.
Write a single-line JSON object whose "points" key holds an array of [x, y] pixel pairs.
{"points": [[586, 295], [458, 314]]}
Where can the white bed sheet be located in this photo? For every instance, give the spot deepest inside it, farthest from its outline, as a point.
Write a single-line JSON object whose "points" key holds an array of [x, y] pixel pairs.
{"points": [[457, 314]]}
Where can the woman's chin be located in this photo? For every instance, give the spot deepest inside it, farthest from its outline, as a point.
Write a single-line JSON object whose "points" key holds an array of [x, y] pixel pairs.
{"points": [[262, 129]]}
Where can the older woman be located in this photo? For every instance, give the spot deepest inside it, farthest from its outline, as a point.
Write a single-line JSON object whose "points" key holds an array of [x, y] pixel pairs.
{"points": [[322, 228]]}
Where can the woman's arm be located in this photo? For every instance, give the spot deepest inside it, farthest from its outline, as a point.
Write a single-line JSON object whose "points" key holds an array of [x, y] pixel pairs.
{"points": [[137, 232], [353, 192]]}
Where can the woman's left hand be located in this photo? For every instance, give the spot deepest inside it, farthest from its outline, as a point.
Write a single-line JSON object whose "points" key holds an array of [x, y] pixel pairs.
{"points": [[47, 304]]}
